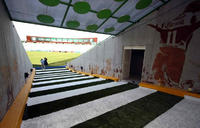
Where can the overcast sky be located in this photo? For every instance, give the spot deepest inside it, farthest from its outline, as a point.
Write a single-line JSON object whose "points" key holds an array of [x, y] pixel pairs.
{"points": [[25, 29]]}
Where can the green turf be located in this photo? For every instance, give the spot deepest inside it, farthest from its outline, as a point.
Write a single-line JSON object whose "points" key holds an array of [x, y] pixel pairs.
{"points": [[135, 114], [51, 91], [57, 78], [49, 107], [54, 58], [61, 82]]}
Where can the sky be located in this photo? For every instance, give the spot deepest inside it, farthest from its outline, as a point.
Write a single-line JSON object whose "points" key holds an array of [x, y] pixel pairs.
{"points": [[24, 29]]}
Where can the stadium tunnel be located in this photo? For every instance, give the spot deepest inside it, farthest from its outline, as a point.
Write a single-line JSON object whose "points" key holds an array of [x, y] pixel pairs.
{"points": [[155, 43]]}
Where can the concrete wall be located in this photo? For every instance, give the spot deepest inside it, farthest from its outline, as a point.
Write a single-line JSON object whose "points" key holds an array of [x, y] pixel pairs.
{"points": [[171, 37], [14, 62]]}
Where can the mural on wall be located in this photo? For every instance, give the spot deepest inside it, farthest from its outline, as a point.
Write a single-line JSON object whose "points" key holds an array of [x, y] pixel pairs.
{"points": [[175, 37]]}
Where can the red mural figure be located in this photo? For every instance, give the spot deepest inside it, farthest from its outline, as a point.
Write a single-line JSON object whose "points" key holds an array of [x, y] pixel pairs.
{"points": [[175, 38]]}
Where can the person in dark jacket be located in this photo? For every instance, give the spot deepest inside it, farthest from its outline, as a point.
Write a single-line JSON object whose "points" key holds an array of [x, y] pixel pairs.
{"points": [[45, 61]]}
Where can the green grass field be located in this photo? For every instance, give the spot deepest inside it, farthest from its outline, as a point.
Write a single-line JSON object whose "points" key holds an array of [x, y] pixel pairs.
{"points": [[54, 58]]}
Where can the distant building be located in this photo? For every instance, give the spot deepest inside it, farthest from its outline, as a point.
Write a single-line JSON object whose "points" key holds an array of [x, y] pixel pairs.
{"points": [[84, 41], [52, 44]]}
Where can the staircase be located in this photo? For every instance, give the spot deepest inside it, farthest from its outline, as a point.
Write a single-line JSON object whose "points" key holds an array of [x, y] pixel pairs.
{"points": [[60, 98]]}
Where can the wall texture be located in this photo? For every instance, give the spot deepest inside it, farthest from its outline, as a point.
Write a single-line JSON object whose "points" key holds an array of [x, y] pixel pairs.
{"points": [[14, 62], [171, 37]]}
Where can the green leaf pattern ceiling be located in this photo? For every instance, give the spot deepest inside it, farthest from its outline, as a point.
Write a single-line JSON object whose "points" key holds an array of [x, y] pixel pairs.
{"points": [[101, 16]]}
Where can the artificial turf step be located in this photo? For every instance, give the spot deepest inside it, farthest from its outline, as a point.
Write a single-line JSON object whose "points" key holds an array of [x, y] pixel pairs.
{"points": [[62, 71], [55, 75], [71, 93], [52, 82], [55, 69], [135, 114], [58, 78], [184, 114], [52, 72], [51, 91], [48, 84], [53, 106], [65, 85]]}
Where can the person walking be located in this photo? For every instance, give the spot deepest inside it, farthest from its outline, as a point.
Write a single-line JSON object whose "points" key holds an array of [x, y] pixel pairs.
{"points": [[42, 64], [45, 61]]}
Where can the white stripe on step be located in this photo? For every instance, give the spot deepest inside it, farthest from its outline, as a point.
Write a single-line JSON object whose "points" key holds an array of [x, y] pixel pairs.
{"points": [[53, 69], [66, 85], [52, 75], [61, 80], [38, 73], [62, 95], [71, 116], [51, 78], [184, 114]]}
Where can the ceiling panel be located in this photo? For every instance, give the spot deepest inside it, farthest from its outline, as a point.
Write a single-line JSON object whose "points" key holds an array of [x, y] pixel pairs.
{"points": [[101, 16], [67, 1], [91, 19], [98, 5], [29, 10], [139, 14], [129, 9], [113, 24]]}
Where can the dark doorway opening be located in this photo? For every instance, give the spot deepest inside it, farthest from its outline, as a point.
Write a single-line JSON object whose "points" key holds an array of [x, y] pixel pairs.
{"points": [[137, 57]]}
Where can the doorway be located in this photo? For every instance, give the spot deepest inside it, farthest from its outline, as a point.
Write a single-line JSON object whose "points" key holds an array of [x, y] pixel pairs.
{"points": [[133, 57], [136, 64]]}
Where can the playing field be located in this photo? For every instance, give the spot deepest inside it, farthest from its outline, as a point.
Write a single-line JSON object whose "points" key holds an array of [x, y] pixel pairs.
{"points": [[54, 58]]}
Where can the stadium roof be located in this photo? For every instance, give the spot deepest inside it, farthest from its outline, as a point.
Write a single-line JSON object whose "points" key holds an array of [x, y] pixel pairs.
{"points": [[100, 16]]}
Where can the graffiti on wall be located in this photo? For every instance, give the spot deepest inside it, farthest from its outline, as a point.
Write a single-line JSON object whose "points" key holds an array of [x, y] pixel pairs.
{"points": [[146, 76], [107, 70], [175, 37]]}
